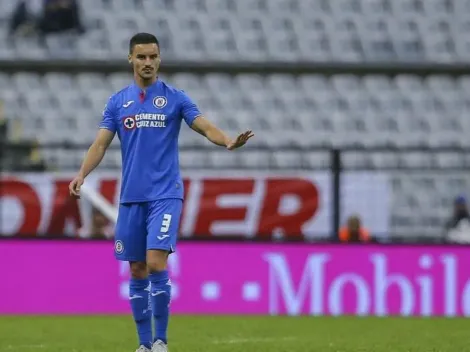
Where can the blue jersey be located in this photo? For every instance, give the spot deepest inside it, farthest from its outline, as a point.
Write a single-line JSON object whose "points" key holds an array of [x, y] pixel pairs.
{"points": [[148, 124]]}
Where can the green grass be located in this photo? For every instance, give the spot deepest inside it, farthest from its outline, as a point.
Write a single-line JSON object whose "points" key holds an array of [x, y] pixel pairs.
{"points": [[230, 334]]}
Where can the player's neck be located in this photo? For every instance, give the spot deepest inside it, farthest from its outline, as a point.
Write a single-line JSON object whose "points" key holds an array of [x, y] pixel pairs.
{"points": [[144, 83]]}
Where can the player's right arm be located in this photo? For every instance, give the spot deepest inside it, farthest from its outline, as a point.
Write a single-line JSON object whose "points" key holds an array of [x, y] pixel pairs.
{"points": [[92, 159], [97, 150]]}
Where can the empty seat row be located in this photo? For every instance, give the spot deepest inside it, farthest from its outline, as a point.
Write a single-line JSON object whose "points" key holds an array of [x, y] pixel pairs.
{"points": [[214, 82], [301, 111], [261, 30]]}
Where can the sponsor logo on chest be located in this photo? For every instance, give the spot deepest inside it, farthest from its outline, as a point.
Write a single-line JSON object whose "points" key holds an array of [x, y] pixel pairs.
{"points": [[144, 120]]}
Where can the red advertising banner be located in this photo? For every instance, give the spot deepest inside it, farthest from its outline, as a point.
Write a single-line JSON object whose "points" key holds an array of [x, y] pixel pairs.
{"points": [[230, 203]]}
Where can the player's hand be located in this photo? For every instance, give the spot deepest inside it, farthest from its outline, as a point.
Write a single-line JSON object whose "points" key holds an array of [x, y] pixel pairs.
{"points": [[240, 140], [75, 185]]}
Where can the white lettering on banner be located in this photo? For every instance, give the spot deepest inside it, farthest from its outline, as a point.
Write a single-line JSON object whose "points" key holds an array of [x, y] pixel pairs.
{"points": [[124, 275], [174, 269], [426, 286], [313, 291], [466, 300], [450, 289], [335, 301], [383, 281], [312, 280]]}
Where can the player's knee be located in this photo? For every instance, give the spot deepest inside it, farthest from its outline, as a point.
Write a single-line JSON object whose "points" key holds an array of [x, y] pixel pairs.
{"points": [[157, 260], [138, 270], [155, 266]]}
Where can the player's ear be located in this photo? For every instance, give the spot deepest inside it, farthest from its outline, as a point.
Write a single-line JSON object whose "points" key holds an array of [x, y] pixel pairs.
{"points": [[129, 58]]}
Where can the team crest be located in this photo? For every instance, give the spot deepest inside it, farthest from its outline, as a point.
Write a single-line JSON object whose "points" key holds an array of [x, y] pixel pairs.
{"points": [[159, 102], [129, 123], [118, 247]]}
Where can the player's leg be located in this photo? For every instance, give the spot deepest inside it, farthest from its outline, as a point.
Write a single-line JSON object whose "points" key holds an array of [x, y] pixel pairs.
{"points": [[130, 245], [139, 296], [160, 296], [162, 233]]}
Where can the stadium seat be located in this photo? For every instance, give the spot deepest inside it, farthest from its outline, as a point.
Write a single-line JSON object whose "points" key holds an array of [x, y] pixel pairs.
{"points": [[194, 160]]}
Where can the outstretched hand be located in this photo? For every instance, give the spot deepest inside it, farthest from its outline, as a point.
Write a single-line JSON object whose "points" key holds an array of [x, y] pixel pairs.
{"points": [[240, 140]]}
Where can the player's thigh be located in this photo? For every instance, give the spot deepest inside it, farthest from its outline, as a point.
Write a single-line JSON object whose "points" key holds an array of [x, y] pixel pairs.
{"points": [[163, 224], [131, 232]]}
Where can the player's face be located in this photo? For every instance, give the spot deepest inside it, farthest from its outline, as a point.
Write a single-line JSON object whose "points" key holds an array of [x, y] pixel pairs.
{"points": [[146, 60]]}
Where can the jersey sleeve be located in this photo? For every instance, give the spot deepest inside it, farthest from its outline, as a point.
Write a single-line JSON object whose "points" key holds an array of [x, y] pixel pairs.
{"points": [[109, 118], [189, 109]]}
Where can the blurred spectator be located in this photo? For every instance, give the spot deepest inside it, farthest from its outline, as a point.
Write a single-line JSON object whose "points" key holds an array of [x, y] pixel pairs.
{"points": [[100, 227], [458, 226], [22, 154], [43, 17], [24, 18], [21, 20], [60, 16], [354, 231]]}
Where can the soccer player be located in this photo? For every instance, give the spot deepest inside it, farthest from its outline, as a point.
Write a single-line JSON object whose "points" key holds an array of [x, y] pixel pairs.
{"points": [[147, 116]]}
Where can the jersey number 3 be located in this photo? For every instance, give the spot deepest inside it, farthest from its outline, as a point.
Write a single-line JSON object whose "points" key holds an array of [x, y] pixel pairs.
{"points": [[165, 223]]}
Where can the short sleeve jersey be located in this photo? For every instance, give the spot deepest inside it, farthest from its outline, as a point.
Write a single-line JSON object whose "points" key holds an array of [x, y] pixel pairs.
{"points": [[148, 124]]}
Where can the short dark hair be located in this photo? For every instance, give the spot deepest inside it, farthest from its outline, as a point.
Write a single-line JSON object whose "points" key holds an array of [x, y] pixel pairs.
{"points": [[142, 38]]}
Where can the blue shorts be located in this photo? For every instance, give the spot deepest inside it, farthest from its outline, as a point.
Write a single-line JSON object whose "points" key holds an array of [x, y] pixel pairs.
{"points": [[147, 225]]}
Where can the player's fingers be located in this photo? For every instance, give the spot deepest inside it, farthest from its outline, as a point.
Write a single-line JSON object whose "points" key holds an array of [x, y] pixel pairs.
{"points": [[75, 188], [240, 140], [243, 136], [248, 135], [72, 188]]}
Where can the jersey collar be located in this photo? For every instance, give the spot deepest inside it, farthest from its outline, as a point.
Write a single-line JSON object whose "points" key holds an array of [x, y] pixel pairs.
{"points": [[150, 88]]}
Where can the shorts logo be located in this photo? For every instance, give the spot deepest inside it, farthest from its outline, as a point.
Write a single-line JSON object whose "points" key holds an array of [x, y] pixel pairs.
{"points": [[129, 123], [118, 247], [159, 102]]}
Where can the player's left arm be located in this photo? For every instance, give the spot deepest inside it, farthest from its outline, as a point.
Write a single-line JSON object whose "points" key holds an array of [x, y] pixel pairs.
{"points": [[206, 128], [193, 117]]}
